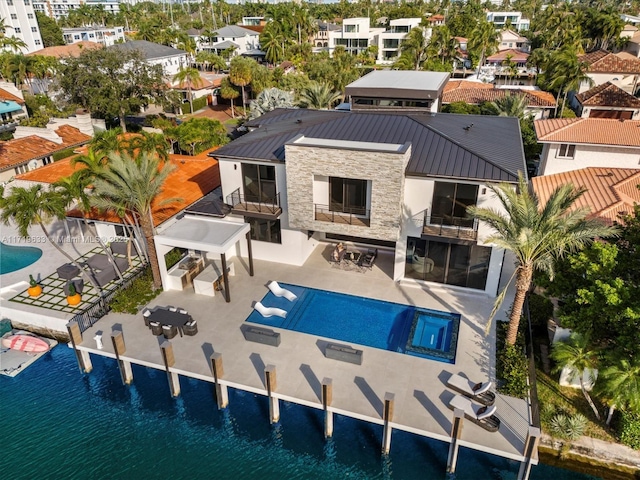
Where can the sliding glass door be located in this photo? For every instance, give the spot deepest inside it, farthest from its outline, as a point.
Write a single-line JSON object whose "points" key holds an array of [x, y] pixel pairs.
{"points": [[259, 182], [348, 195], [450, 202]]}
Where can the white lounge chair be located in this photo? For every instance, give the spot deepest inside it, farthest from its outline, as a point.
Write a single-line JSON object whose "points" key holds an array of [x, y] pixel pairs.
{"points": [[269, 311], [480, 392], [479, 414], [278, 291]]}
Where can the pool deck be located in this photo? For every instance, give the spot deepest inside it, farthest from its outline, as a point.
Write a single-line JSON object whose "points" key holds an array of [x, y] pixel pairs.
{"points": [[421, 397]]}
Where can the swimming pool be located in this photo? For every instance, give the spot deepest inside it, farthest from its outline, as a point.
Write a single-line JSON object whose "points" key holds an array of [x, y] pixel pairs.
{"points": [[389, 326], [14, 258]]}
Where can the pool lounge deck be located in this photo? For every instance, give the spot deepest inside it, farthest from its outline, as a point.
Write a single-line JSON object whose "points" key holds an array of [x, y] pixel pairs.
{"points": [[421, 397]]}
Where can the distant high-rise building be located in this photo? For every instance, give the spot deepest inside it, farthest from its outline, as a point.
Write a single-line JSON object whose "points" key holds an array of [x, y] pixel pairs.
{"points": [[20, 22], [58, 9]]}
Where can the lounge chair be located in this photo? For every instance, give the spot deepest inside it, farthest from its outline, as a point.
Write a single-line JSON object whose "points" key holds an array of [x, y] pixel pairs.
{"points": [[478, 392], [269, 311], [481, 415], [369, 259], [278, 291]]}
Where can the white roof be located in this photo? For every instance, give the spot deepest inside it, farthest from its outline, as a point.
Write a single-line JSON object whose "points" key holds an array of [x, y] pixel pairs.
{"points": [[204, 234], [402, 80]]}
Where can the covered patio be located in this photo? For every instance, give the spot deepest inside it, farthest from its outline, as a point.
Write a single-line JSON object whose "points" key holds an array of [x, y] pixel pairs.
{"points": [[205, 239]]}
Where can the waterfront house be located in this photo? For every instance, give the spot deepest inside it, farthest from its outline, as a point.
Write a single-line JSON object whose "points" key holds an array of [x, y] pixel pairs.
{"points": [[510, 40], [607, 101], [171, 59], [242, 40], [356, 35], [106, 36], [396, 180], [576, 143]]}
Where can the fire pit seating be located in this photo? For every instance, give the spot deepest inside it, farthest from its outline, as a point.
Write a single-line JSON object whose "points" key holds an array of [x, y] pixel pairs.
{"points": [[102, 270]]}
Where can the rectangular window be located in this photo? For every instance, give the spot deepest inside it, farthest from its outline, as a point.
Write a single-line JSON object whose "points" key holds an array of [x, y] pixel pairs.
{"points": [[348, 195], [14, 16], [34, 29], [10, 3], [259, 182], [264, 230], [38, 42], [17, 30], [26, 2], [566, 151], [450, 202], [30, 16], [350, 28]]}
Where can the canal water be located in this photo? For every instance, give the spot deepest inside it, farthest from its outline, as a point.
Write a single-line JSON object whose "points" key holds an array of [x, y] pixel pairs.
{"points": [[58, 423]]}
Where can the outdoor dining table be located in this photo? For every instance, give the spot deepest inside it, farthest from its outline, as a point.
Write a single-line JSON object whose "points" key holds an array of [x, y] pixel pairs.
{"points": [[164, 316]]}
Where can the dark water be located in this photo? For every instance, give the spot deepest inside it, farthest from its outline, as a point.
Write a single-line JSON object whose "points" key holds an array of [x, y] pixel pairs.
{"points": [[58, 423]]}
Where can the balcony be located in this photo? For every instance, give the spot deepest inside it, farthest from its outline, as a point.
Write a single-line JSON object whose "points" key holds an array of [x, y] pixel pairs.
{"points": [[450, 227], [353, 216], [252, 206]]}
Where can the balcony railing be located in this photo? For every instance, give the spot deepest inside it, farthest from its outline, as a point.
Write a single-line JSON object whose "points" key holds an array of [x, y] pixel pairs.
{"points": [[252, 204], [450, 227], [346, 216]]}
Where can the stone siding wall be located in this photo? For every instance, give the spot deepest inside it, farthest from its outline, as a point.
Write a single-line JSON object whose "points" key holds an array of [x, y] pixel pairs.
{"points": [[385, 171]]}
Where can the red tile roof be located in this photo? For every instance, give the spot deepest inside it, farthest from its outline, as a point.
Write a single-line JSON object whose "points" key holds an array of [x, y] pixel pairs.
{"points": [[21, 150], [595, 131], [514, 55], [455, 84], [476, 95], [71, 50], [4, 95], [610, 191], [602, 61], [608, 95]]}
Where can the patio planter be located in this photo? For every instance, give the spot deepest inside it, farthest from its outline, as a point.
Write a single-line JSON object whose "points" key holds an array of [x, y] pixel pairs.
{"points": [[34, 289], [74, 299]]}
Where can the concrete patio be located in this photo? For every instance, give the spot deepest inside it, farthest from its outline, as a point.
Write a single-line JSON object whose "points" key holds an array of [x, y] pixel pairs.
{"points": [[421, 398]]}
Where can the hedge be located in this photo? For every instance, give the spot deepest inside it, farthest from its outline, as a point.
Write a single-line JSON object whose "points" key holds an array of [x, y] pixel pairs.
{"points": [[628, 427], [67, 152], [198, 103]]}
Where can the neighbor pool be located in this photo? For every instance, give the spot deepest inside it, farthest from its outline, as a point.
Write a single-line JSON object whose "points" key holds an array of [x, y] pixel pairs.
{"points": [[389, 326], [14, 258]]}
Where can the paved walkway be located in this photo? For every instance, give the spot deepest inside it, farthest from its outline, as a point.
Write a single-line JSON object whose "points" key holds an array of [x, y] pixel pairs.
{"points": [[421, 398]]}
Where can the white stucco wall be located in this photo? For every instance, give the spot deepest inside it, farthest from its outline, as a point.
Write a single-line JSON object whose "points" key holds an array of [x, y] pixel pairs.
{"points": [[588, 156], [625, 82]]}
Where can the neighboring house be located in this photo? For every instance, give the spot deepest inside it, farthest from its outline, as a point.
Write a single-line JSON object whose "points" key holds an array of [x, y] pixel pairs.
{"points": [[241, 39], [20, 22], [385, 89], [513, 20], [321, 36], [436, 20], [575, 143], [390, 40], [356, 35], [62, 51], [22, 155], [253, 22], [633, 45], [58, 9], [628, 31], [622, 69], [398, 181], [510, 40], [12, 106], [106, 36], [510, 55], [171, 59], [610, 192], [539, 104], [206, 88], [607, 101], [633, 20]]}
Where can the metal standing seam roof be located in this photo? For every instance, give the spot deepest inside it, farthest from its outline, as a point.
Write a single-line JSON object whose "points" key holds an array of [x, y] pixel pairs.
{"points": [[149, 50], [234, 31], [472, 147]]}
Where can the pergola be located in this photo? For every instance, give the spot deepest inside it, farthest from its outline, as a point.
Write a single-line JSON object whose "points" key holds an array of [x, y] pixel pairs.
{"points": [[208, 235]]}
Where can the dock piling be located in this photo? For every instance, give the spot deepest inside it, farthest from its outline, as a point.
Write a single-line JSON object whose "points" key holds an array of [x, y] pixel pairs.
{"points": [[222, 394], [270, 381], [126, 374], [327, 396], [84, 360], [530, 452], [387, 416], [456, 432], [169, 360]]}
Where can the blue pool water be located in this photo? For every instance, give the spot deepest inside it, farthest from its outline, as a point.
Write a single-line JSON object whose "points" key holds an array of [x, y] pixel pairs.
{"points": [[61, 424], [14, 258], [374, 323]]}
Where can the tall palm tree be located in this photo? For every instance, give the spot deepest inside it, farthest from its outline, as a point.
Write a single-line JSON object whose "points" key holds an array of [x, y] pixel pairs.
{"points": [[578, 356], [152, 143], [134, 184], [483, 38], [106, 142], [14, 43], [536, 234], [28, 207], [415, 47], [620, 384], [190, 76], [566, 73], [318, 96], [229, 91], [240, 71]]}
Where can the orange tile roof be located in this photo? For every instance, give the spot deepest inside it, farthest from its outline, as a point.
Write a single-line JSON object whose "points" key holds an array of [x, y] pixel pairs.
{"points": [[602, 61], [51, 173], [455, 84], [476, 96], [71, 50], [21, 150], [608, 95], [594, 131], [4, 95], [515, 56], [610, 191]]}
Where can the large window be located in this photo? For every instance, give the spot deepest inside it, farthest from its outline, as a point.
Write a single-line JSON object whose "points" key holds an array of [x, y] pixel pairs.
{"points": [[448, 263], [348, 195], [450, 202], [259, 182], [263, 230], [566, 151]]}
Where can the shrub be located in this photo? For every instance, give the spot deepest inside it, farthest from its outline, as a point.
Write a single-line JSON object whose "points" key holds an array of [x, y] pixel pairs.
{"points": [[512, 370], [628, 427], [173, 256], [67, 152], [568, 427], [541, 310], [139, 293]]}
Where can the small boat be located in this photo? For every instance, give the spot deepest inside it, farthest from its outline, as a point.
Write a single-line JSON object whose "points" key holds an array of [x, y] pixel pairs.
{"points": [[25, 343]]}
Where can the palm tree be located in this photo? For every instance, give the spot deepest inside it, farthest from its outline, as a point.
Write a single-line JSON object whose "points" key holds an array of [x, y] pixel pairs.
{"points": [[416, 47], [578, 357], [318, 96], [229, 91], [484, 37], [190, 76], [36, 206], [240, 71], [272, 42], [268, 100], [536, 234], [133, 184], [14, 43], [511, 105], [106, 142], [566, 73], [620, 384], [151, 143]]}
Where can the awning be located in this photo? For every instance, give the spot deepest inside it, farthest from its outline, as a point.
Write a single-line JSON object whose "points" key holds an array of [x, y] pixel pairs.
{"points": [[9, 106]]}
